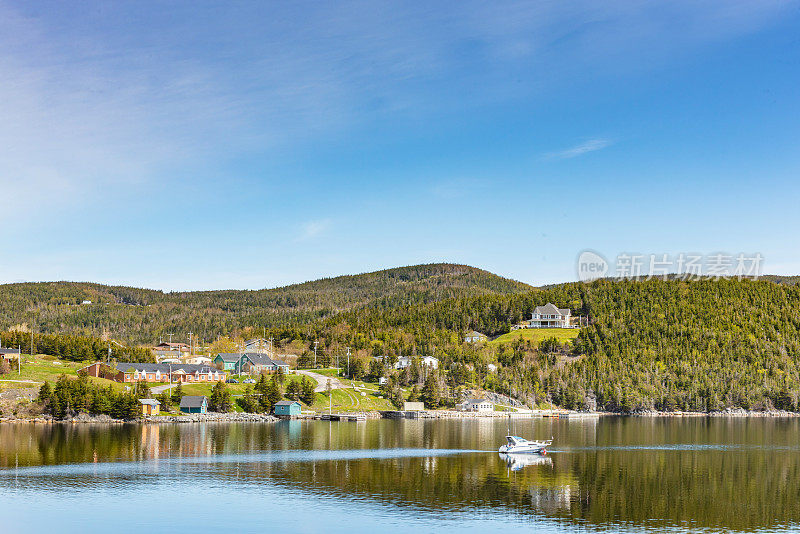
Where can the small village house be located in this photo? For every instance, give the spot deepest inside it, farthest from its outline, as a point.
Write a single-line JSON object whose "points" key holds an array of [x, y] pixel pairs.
{"points": [[198, 359], [10, 355], [150, 406], [194, 404], [475, 337], [287, 408], [180, 347], [257, 363], [413, 406], [229, 361], [426, 361], [476, 405]]}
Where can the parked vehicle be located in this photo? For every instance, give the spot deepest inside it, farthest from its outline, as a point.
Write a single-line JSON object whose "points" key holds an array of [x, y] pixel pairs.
{"points": [[248, 381], [231, 381]]}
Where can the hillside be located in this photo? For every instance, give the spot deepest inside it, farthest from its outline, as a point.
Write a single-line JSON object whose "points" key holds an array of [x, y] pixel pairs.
{"points": [[143, 315], [666, 345]]}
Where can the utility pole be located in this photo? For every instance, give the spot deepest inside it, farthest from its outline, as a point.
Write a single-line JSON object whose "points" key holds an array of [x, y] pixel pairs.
{"points": [[170, 338], [108, 360], [348, 362], [19, 359], [315, 353], [190, 343]]}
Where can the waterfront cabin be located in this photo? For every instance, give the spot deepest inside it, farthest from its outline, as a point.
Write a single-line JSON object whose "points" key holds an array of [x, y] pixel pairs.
{"points": [[150, 406], [287, 408], [476, 405], [194, 404]]}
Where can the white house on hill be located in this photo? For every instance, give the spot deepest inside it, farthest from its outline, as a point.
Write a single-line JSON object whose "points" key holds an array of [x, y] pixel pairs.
{"points": [[548, 316]]}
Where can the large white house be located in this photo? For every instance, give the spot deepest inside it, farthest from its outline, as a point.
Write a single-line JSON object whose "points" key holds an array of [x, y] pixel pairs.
{"points": [[548, 316]]}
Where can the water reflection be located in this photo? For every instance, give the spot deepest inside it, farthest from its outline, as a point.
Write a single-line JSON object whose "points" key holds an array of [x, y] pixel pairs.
{"points": [[515, 462], [613, 473]]}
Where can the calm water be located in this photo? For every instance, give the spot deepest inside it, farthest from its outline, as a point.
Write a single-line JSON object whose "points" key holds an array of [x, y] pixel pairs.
{"points": [[615, 474]]}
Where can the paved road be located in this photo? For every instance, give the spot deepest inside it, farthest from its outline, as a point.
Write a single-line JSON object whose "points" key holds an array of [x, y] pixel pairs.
{"points": [[322, 381], [155, 390]]}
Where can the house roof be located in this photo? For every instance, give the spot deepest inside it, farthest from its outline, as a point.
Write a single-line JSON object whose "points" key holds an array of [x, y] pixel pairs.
{"points": [[193, 401], [550, 309], [475, 333], [151, 402], [188, 368], [262, 359], [229, 356], [475, 401], [286, 403], [9, 351]]}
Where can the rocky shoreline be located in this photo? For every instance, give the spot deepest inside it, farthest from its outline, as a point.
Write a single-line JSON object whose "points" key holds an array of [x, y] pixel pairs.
{"points": [[211, 417]]}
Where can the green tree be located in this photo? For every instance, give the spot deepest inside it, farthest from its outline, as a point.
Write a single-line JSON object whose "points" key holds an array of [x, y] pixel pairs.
{"points": [[307, 394], [220, 399], [177, 394]]}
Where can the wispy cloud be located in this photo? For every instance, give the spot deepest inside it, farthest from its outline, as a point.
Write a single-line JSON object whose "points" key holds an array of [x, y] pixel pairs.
{"points": [[592, 145], [312, 229]]}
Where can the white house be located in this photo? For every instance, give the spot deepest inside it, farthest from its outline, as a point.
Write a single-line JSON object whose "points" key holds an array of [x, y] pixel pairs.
{"points": [[427, 361], [430, 361], [476, 405], [474, 337], [548, 316]]}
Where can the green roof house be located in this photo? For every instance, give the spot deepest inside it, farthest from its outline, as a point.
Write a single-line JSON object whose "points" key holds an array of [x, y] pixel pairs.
{"points": [[229, 361]]}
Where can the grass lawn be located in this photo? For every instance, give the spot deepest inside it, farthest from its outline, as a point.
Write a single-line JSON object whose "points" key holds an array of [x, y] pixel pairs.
{"points": [[350, 400], [537, 334]]}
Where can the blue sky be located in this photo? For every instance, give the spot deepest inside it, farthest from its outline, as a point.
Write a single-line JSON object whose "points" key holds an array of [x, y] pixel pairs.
{"points": [[204, 145]]}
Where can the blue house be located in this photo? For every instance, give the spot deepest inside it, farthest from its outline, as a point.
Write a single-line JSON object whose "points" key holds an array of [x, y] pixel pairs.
{"points": [[194, 404], [229, 361], [287, 408]]}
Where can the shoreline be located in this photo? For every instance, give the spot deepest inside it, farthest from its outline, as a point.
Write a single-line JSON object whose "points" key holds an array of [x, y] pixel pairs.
{"points": [[239, 417]]}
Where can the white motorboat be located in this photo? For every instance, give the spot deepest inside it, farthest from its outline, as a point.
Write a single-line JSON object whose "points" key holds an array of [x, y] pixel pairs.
{"points": [[517, 444]]}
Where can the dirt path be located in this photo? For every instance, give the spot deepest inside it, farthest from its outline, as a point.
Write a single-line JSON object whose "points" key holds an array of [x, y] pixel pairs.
{"points": [[322, 381]]}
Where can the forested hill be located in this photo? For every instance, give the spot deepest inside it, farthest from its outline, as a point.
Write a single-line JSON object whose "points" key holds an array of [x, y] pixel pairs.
{"points": [[655, 344], [143, 315]]}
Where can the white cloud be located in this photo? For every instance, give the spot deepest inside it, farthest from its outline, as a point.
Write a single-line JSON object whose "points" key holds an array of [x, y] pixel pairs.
{"points": [[592, 145], [312, 229]]}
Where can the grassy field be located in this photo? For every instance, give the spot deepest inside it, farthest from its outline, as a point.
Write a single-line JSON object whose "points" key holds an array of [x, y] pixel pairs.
{"points": [[40, 368], [537, 334], [350, 400]]}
